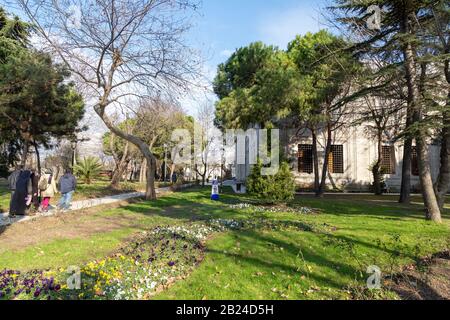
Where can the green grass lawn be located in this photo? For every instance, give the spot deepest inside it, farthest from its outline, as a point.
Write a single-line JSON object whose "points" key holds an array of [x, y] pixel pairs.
{"points": [[318, 260]]}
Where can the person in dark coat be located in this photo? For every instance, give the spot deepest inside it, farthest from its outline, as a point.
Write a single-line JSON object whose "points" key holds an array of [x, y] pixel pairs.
{"points": [[35, 189], [67, 186], [12, 181], [22, 193]]}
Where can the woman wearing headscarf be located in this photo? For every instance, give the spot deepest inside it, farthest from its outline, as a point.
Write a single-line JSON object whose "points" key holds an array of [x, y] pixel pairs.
{"points": [[47, 186], [22, 194]]}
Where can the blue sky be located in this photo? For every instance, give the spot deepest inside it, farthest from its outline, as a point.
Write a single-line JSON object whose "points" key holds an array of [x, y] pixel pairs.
{"points": [[225, 25], [222, 26]]}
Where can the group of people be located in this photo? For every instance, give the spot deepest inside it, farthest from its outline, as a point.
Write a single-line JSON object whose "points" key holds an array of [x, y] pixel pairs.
{"points": [[32, 192]]}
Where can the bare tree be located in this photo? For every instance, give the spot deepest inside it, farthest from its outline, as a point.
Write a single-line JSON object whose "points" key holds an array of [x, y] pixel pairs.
{"points": [[204, 147], [119, 51], [380, 118], [155, 122]]}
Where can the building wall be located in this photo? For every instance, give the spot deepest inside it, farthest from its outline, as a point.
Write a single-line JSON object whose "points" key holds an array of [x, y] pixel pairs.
{"points": [[360, 152]]}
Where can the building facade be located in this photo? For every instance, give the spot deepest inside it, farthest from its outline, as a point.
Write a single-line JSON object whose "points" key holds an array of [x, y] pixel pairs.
{"points": [[352, 155]]}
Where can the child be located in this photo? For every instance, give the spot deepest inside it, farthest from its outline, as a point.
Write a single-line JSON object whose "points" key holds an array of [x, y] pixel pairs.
{"points": [[47, 186]]}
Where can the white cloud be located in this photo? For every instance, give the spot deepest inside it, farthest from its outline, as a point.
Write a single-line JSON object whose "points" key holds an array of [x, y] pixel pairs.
{"points": [[201, 92], [226, 53], [281, 27]]}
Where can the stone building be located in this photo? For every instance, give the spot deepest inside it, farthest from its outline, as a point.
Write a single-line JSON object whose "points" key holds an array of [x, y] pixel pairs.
{"points": [[353, 153]]}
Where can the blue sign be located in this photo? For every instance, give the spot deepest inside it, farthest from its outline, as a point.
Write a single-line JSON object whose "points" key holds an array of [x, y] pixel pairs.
{"points": [[215, 191]]}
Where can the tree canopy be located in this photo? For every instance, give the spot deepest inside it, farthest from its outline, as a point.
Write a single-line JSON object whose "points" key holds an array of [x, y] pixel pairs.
{"points": [[254, 86], [37, 102]]}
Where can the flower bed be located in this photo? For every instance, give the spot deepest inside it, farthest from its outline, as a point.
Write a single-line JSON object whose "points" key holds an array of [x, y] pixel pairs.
{"points": [[151, 261], [34, 284], [147, 264], [273, 208]]}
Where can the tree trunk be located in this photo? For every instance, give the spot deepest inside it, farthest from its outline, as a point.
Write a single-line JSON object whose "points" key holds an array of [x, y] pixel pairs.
{"points": [[26, 147], [120, 168], [118, 174], [150, 192], [322, 187], [143, 173], [315, 161], [444, 171], [133, 171], [376, 170], [332, 182], [405, 191], [429, 196], [38, 159], [205, 173]]}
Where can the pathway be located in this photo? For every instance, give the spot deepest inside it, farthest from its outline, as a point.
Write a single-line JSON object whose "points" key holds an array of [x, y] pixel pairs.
{"points": [[78, 205]]}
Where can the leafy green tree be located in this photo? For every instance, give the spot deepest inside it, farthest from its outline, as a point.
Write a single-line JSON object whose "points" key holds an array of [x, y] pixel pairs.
{"points": [[440, 42], [404, 33], [254, 87], [36, 102], [9, 149], [88, 169], [14, 35], [155, 122], [325, 74], [241, 69]]}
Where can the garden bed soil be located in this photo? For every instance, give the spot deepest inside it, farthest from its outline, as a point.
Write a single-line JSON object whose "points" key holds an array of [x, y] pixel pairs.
{"points": [[432, 282], [77, 224]]}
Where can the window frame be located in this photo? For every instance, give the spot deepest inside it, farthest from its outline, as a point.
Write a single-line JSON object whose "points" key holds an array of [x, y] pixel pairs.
{"points": [[336, 159], [305, 159], [414, 162], [388, 166]]}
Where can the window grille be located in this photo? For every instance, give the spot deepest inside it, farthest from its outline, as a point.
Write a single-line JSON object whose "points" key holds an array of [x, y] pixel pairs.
{"points": [[388, 163], [305, 158], [414, 162], [336, 159]]}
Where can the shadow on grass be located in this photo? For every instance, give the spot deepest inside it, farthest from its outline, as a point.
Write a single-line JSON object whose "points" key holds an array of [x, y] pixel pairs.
{"points": [[195, 206], [310, 257], [381, 206]]}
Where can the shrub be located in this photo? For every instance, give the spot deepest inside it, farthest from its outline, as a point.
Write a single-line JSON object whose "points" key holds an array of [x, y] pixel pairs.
{"points": [[273, 189], [88, 169]]}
